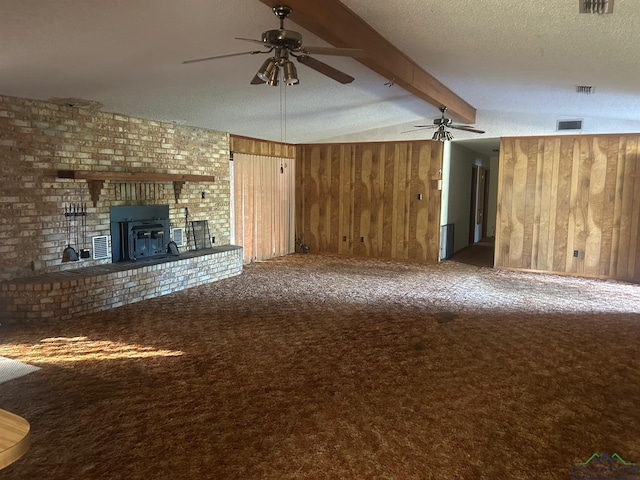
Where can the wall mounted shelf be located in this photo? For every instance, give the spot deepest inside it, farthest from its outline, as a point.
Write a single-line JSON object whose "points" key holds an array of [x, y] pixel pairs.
{"points": [[95, 180]]}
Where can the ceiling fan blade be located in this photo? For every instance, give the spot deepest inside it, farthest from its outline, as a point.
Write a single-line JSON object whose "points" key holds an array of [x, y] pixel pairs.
{"points": [[250, 40], [256, 80], [419, 127], [205, 59], [325, 69], [344, 52], [465, 128]]}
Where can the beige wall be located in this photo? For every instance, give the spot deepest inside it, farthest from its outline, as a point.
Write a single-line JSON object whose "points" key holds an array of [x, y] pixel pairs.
{"points": [[39, 138]]}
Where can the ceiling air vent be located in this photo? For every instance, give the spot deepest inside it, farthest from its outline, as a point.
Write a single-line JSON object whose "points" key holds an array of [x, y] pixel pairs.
{"points": [[586, 89], [596, 6], [569, 125]]}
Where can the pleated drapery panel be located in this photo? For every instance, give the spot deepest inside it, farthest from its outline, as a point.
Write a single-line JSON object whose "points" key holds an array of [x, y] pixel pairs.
{"points": [[264, 206]]}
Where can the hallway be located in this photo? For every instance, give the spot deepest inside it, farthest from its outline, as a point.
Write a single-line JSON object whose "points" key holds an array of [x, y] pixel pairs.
{"points": [[480, 254]]}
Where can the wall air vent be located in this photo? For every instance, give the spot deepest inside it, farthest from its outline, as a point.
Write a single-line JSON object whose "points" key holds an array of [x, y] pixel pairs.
{"points": [[177, 235], [569, 125], [100, 247], [596, 6]]}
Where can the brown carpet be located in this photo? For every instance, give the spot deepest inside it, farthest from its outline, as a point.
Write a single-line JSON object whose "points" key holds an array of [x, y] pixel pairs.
{"points": [[316, 367], [480, 254]]}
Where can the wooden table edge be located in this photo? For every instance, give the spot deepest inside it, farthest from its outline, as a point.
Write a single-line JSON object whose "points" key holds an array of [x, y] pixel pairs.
{"points": [[20, 447]]}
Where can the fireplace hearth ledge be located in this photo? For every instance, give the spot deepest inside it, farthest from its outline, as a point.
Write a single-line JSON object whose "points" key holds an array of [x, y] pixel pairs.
{"points": [[62, 295]]}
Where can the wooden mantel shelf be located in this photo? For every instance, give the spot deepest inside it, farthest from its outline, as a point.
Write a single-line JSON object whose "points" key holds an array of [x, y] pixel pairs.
{"points": [[96, 180], [134, 176]]}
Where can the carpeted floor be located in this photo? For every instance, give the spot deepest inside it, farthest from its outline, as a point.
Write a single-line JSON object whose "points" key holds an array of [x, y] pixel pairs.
{"points": [[479, 254], [323, 367]]}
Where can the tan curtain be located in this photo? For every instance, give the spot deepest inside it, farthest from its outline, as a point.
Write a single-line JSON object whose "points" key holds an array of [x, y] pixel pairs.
{"points": [[264, 205]]}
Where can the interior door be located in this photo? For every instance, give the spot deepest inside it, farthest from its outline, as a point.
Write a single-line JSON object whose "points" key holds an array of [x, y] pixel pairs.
{"points": [[479, 199]]}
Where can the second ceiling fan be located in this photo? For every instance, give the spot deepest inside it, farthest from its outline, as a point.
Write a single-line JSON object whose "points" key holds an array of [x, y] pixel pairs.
{"points": [[285, 44], [441, 125]]}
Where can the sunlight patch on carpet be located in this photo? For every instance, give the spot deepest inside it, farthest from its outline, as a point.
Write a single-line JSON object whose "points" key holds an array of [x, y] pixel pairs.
{"points": [[10, 369], [77, 349]]}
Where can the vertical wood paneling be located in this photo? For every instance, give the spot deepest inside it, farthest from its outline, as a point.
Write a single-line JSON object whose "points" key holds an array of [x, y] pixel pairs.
{"points": [[311, 195], [530, 202], [372, 194], [388, 214], [346, 199], [560, 194], [334, 211], [608, 206], [626, 217], [518, 208], [595, 204], [553, 205], [634, 180], [563, 205], [411, 202], [422, 206], [377, 204], [322, 217], [505, 199]]}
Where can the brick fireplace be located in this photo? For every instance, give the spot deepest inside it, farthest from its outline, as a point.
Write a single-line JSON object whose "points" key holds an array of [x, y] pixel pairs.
{"points": [[115, 162]]}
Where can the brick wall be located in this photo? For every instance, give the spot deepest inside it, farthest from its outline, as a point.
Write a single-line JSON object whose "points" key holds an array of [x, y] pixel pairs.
{"points": [[39, 138], [62, 295]]}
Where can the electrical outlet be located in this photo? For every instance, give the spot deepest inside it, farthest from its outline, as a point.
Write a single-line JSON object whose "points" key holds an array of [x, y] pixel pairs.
{"points": [[576, 253], [344, 239], [362, 239], [213, 239]]}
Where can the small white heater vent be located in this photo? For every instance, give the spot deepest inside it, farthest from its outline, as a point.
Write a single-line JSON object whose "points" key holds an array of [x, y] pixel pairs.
{"points": [[596, 6], [100, 247], [177, 235], [569, 125]]}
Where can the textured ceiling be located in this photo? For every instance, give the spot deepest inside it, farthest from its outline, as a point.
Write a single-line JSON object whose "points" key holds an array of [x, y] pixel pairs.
{"points": [[517, 62]]}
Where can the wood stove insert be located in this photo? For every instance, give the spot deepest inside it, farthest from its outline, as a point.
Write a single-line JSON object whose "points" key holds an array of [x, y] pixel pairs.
{"points": [[139, 232]]}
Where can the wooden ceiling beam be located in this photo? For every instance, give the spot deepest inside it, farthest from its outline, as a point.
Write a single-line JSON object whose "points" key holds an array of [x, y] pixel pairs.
{"points": [[338, 25]]}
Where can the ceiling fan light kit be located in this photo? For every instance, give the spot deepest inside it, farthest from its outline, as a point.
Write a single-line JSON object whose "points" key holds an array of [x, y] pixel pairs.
{"points": [[442, 135], [273, 77], [267, 68], [288, 43], [290, 73]]}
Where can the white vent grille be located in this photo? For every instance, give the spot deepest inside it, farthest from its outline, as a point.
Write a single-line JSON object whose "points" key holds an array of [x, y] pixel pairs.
{"points": [[586, 89], [177, 235], [100, 247], [596, 6]]}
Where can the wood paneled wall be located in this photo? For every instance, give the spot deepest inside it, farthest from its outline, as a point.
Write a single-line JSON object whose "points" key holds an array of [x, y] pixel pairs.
{"points": [[558, 195], [254, 146], [363, 199]]}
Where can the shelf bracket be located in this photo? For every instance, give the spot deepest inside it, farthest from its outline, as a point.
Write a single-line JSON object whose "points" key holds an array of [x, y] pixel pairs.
{"points": [[95, 187], [177, 189]]}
